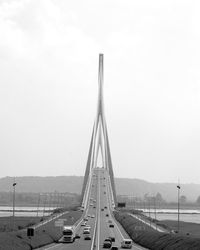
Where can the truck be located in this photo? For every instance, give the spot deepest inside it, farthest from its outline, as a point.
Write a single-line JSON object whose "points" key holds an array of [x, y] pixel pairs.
{"points": [[68, 234]]}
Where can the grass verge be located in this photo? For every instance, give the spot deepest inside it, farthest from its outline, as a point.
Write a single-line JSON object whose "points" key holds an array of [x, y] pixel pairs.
{"points": [[45, 234], [151, 239]]}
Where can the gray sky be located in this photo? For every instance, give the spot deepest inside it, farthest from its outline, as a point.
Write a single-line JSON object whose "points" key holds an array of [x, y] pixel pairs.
{"points": [[48, 86]]}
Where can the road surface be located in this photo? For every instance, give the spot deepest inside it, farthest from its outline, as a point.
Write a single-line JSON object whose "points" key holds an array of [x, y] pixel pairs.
{"points": [[98, 211]]}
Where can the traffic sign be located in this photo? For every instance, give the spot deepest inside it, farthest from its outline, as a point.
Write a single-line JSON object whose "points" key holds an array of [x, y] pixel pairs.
{"points": [[30, 232], [59, 223]]}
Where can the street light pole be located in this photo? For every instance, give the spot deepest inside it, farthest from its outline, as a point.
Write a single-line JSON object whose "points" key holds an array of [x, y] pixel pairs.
{"points": [[178, 187], [14, 184], [38, 205]]}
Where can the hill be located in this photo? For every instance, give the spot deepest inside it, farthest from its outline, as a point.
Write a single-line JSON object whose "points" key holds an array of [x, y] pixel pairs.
{"points": [[124, 186]]}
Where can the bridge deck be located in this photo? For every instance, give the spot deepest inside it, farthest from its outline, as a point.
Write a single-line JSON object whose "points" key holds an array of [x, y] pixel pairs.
{"points": [[99, 197]]}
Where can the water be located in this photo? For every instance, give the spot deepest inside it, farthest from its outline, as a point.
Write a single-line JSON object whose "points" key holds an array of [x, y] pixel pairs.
{"points": [[24, 211], [195, 218], [186, 215], [172, 211]]}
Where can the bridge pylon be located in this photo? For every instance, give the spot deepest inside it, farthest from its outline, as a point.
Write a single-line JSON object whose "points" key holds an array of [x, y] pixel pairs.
{"points": [[99, 143]]}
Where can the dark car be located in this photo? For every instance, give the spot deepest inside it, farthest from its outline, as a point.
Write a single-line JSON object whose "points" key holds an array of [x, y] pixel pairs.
{"points": [[107, 215], [107, 244], [112, 239], [111, 225], [77, 236], [114, 248], [105, 207], [108, 239], [87, 237]]}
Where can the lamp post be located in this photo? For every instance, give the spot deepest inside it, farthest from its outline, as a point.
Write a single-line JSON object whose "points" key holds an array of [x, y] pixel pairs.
{"points": [[38, 205], [154, 198], [14, 184], [178, 188], [45, 200]]}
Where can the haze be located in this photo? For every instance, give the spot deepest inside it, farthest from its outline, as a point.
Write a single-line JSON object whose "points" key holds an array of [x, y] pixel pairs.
{"points": [[48, 86]]}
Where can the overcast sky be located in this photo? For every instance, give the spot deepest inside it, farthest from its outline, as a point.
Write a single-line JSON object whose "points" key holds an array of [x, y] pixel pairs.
{"points": [[48, 86]]}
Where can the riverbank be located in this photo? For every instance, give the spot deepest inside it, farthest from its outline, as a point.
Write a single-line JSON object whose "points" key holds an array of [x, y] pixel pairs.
{"points": [[185, 228]]}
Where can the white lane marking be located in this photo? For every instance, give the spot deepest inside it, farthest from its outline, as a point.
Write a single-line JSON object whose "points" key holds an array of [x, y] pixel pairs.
{"points": [[51, 247], [51, 219], [94, 234], [94, 231], [99, 201], [109, 199], [79, 221]]}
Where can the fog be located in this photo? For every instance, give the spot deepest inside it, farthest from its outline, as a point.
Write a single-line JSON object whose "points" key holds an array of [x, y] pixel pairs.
{"points": [[48, 86]]}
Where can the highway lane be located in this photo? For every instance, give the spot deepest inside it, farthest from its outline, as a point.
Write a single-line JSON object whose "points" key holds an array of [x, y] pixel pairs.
{"points": [[90, 210], [99, 203], [107, 216]]}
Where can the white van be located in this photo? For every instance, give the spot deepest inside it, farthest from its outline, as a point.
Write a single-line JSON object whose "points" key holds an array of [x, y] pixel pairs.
{"points": [[126, 243]]}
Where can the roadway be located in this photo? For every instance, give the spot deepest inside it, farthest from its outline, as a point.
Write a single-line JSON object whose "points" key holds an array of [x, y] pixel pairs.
{"points": [[98, 211]]}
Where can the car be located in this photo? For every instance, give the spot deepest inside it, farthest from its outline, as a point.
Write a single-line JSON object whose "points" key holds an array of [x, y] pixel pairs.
{"points": [[112, 239], [87, 227], [85, 219], [87, 237], [94, 207], [111, 225], [86, 231], [107, 215], [83, 224], [89, 216], [77, 236], [107, 244], [108, 239], [114, 248], [92, 216], [126, 243], [109, 221], [102, 209], [105, 207]]}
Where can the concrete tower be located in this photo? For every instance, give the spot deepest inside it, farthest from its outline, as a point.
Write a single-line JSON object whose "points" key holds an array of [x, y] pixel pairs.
{"points": [[99, 145]]}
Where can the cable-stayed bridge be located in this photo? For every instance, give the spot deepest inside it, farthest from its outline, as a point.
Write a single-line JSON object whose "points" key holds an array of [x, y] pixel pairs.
{"points": [[98, 197]]}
